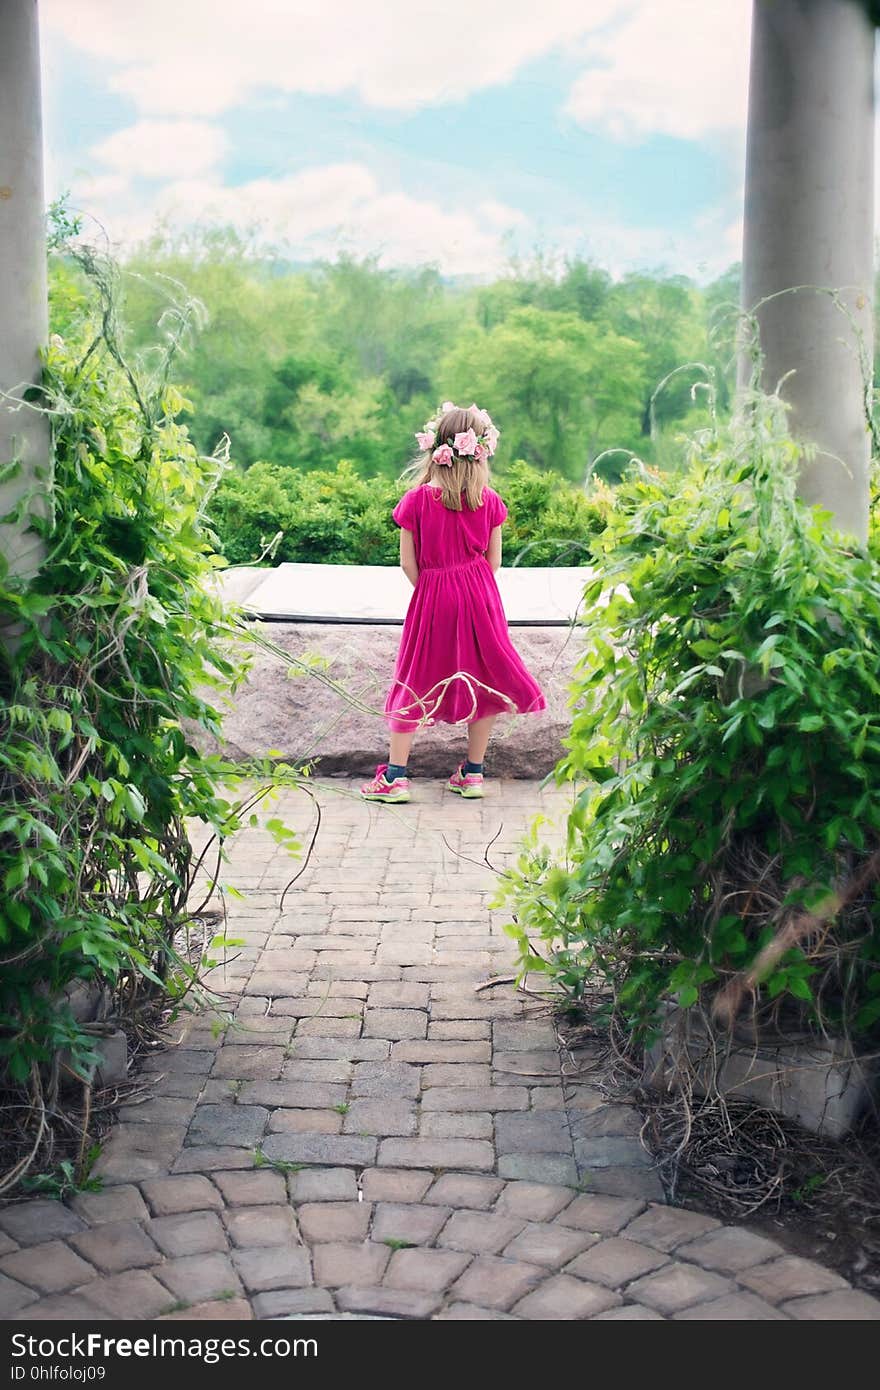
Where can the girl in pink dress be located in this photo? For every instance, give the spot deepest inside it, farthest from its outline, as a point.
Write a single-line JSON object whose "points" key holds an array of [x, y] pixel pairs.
{"points": [[456, 663]]}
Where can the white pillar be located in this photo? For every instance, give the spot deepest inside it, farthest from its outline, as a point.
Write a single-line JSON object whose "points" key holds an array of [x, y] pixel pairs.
{"points": [[24, 434], [809, 220]]}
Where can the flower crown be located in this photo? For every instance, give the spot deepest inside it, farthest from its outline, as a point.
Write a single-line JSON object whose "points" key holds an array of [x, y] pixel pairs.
{"points": [[467, 444]]}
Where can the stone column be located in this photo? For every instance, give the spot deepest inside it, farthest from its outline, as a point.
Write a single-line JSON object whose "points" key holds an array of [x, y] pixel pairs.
{"points": [[24, 434], [809, 220]]}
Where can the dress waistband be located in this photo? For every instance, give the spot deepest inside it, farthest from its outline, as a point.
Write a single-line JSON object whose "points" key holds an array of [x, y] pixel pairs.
{"points": [[463, 565]]}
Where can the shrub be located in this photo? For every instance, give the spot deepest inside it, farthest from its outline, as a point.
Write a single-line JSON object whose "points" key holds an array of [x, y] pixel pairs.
{"points": [[339, 517], [724, 753], [551, 521], [117, 639]]}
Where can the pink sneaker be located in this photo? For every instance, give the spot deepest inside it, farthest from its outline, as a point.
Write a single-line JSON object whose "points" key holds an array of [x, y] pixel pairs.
{"points": [[467, 784], [380, 790]]}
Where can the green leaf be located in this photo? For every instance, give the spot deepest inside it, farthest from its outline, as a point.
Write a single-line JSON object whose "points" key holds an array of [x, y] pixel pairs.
{"points": [[811, 723], [800, 989]]}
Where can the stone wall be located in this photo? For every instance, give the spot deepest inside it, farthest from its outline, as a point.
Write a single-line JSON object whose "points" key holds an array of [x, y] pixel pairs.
{"points": [[302, 717]]}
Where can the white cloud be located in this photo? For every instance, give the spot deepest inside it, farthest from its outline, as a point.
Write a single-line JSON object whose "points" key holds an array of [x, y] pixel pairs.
{"points": [[679, 68], [703, 252], [162, 149], [323, 211], [202, 57], [100, 189]]}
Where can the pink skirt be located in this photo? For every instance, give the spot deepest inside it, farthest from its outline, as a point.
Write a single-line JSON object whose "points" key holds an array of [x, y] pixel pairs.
{"points": [[456, 661]]}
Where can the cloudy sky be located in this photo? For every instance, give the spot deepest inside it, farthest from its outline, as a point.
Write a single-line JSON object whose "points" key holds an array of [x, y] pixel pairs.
{"points": [[445, 131]]}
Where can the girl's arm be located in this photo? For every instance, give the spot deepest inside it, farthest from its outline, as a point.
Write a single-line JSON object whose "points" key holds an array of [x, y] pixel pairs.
{"points": [[408, 556], [493, 552]]}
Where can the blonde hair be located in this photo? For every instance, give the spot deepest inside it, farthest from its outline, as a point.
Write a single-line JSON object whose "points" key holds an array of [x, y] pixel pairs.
{"points": [[464, 477]]}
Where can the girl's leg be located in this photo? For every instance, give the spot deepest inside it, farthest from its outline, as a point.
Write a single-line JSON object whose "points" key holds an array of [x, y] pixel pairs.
{"points": [[479, 733], [399, 746]]}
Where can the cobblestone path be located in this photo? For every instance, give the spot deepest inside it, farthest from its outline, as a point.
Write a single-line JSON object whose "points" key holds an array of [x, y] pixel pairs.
{"points": [[373, 1135]]}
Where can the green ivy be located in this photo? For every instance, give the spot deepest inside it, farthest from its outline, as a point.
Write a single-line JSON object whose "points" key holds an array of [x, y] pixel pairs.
{"points": [[117, 645], [724, 754]]}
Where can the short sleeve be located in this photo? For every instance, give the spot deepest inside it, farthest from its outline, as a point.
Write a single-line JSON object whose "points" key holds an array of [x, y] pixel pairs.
{"points": [[405, 511], [499, 511]]}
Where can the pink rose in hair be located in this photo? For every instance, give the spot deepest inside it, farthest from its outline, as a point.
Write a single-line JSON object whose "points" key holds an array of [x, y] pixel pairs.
{"points": [[443, 456], [465, 443], [447, 406], [425, 439], [481, 453], [492, 437]]}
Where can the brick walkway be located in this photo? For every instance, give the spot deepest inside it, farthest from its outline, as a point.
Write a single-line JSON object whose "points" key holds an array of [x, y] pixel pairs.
{"points": [[374, 1136]]}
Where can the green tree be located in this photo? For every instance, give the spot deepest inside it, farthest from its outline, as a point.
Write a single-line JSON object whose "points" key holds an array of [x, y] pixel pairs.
{"points": [[255, 317], [663, 315], [305, 365], [562, 390]]}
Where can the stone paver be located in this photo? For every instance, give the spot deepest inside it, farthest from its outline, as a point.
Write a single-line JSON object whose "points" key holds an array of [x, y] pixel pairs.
{"points": [[426, 1270], [395, 1185], [49, 1268], [630, 1312], [338, 1265], [282, 1303], [465, 1190], [539, 1167], [31, 1223], [471, 1312], [251, 1189], [116, 1246], [607, 1215], [738, 1307], [192, 1233], [496, 1283], [616, 1261], [547, 1244], [394, 1080], [117, 1204], [380, 1117], [482, 1233], [334, 1221], [476, 1098], [219, 1310], [252, 1226], [678, 1286], [274, 1268], [847, 1305], [388, 1303], [412, 1222], [376, 1137], [199, 1278], [321, 1148], [438, 1153], [168, 1196], [239, 1125], [668, 1227], [729, 1249], [564, 1297], [135, 1295], [534, 1201], [790, 1277], [55, 1308]]}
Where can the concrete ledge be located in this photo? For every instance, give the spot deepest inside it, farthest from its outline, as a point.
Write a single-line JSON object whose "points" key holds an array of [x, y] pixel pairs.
{"points": [[541, 597], [821, 1083]]}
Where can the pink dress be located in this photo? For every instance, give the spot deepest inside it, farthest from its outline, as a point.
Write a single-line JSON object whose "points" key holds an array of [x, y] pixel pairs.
{"points": [[456, 661]]}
